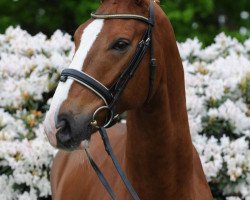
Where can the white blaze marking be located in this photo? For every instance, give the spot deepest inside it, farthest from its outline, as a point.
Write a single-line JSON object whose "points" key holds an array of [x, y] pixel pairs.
{"points": [[88, 38]]}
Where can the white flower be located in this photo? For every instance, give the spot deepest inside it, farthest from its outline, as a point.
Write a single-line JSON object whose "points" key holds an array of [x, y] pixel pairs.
{"points": [[6, 190], [213, 81], [26, 63], [190, 48], [233, 198], [229, 111], [210, 155], [10, 127]]}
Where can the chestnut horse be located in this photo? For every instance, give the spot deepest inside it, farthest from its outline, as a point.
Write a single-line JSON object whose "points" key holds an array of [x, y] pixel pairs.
{"points": [[154, 147]]}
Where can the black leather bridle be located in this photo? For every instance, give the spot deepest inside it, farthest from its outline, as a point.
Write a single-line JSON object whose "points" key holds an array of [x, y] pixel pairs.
{"points": [[110, 96]]}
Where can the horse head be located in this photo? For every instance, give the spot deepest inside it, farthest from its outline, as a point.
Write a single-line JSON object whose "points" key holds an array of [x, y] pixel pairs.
{"points": [[104, 50]]}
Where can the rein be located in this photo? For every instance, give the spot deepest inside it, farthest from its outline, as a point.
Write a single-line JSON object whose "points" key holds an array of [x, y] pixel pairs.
{"points": [[111, 95]]}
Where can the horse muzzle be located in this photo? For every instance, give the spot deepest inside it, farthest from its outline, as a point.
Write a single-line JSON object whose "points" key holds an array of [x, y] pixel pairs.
{"points": [[68, 131]]}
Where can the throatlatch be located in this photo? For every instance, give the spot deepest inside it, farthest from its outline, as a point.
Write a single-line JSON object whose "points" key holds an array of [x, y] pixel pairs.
{"points": [[110, 96]]}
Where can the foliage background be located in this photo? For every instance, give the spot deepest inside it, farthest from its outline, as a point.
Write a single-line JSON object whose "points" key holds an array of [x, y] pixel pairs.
{"points": [[217, 81], [201, 18]]}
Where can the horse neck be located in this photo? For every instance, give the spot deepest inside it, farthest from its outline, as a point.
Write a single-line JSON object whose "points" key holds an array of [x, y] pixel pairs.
{"points": [[159, 151]]}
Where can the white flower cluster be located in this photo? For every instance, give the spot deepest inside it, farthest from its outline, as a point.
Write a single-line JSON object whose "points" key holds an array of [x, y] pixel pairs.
{"points": [[10, 128], [29, 70], [27, 64], [218, 103]]}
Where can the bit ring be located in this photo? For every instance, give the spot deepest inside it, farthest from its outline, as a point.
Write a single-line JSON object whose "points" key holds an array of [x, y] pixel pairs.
{"points": [[109, 117]]}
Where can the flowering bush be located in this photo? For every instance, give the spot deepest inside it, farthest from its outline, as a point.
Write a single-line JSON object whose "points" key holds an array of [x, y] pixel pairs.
{"points": [[218, 103], [29, 71]]}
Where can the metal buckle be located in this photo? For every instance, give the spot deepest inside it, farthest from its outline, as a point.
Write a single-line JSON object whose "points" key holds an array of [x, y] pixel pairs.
{"points": [[109, 117], [153, 62], [147, 42], [63, 78]]}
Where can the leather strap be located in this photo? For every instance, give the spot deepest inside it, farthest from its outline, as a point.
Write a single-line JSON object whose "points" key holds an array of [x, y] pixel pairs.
{"points": [[153, 65], [128, 73], [119, 16], [110, 152], [100, 176], [89, 82]]}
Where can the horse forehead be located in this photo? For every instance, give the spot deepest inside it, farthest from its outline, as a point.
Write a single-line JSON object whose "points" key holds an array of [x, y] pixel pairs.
{"points": [[88, 37]]}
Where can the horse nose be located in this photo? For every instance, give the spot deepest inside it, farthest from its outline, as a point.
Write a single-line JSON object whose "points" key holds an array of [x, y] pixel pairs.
{"points": [[72, 130]]}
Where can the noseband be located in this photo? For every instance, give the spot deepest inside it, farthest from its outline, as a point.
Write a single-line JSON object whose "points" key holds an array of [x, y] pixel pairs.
{"points": [[111, 95]]}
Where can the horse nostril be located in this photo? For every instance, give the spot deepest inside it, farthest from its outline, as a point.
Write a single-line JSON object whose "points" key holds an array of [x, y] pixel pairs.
{"points": [[64, 132], [61, 124], [64, 127], [64, 123]]}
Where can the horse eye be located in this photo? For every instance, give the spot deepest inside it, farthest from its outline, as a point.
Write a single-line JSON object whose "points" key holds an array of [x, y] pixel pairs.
{"points": [[120, 45]]}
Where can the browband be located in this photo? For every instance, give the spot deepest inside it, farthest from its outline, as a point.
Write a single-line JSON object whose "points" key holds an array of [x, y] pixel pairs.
{"points": [[120, 16]]}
